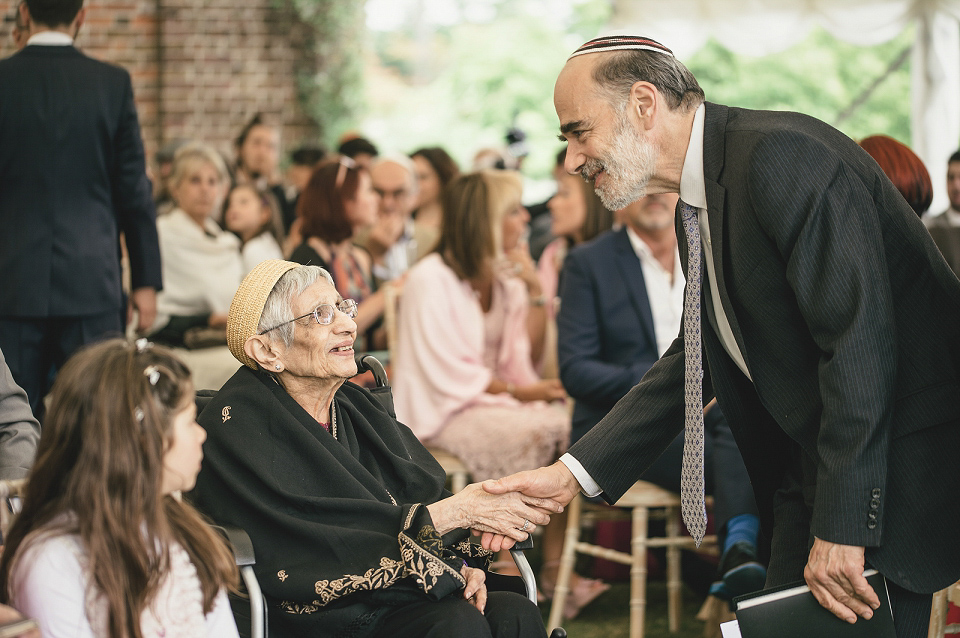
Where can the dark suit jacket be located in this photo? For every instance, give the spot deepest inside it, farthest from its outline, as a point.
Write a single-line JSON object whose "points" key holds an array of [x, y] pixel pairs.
{"points": [[847, 318], [605, 335], [72, 177]]}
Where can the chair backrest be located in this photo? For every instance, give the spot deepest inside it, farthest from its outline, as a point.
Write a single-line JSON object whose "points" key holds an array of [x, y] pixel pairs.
{"points": [[10, 492]]}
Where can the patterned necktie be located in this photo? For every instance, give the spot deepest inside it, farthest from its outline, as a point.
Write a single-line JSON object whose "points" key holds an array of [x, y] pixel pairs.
{"points": [[691, 477]]}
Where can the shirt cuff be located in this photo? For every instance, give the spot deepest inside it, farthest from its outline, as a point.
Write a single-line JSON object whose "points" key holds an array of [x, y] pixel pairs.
{"points": [[587, 484]]}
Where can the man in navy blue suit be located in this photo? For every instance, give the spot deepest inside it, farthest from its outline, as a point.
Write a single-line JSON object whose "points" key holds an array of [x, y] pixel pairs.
{"points": [[621, 305], [72, 179]]}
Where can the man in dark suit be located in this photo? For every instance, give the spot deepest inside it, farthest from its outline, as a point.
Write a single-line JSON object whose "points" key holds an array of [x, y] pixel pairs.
{"points": [[945, 227], [72, 179], [621, 303], [829, 333]]}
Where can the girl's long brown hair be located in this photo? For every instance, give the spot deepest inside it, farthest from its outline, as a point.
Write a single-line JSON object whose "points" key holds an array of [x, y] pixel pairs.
{"points": [[98, 475]]}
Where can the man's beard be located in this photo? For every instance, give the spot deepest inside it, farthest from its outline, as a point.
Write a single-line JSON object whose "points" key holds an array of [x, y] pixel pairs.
{"points": [[629, 164]]}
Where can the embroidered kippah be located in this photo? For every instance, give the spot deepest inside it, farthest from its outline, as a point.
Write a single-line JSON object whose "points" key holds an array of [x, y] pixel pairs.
{"points": [[621, 43]]}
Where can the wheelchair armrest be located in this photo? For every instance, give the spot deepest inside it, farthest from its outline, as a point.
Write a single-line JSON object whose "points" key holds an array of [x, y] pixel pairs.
{"points": [[240, 544]]}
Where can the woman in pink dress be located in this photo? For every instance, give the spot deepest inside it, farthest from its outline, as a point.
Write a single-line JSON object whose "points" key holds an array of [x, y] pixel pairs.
{"points": [[464, 379]]}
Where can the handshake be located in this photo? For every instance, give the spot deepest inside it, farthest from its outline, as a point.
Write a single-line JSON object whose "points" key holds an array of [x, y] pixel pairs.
{"points": [[505, 511]]}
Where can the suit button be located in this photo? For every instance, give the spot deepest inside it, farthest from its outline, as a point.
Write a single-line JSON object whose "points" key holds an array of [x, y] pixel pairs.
{"points": [[871, 524], [872, 515], [874, 504], [876, 492]]}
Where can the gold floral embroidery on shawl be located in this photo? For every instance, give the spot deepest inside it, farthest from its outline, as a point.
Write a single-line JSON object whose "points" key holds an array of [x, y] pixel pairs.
{"points": [[389, 572], [421, 560], [297, 608]]}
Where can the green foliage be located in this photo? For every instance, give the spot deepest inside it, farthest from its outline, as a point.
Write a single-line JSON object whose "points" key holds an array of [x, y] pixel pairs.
{"points": [[331, 91], [821, 76], [463, 86]]}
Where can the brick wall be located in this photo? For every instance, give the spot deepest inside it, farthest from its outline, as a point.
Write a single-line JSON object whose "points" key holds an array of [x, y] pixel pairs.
{"points": [[200, 68]]}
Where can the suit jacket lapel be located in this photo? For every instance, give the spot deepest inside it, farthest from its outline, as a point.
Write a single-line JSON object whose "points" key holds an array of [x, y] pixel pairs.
{"points": [[715, 120], [631, 272]]}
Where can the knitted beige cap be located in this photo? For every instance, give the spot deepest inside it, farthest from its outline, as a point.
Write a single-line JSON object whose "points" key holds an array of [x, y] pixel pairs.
{"points": [[247, 305]]}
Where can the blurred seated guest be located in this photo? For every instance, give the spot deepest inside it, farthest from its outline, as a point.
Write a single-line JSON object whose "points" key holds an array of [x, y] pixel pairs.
{"points": [[19, 430], [359, 149], [950, 218], [904, 169], [353, 530], [252, 216], [434, 170], [303, 161], [201, 262], [621, 308], [258, 160], [339, 200], [390, 240], [104, 546], [945, 227], [463, 375], [162, 198], [577, 215]]}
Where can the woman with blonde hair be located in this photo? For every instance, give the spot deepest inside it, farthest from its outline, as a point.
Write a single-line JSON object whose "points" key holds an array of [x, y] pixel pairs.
{"points": [[202, 265], [104, 545]]}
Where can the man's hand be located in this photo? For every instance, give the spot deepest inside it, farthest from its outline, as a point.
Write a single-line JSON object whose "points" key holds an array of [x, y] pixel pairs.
{"points": [[834, 573], [555, 482], [145, 301]]}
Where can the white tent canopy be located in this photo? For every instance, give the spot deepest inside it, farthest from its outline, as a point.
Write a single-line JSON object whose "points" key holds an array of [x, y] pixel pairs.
{"points": [[761, 27]]}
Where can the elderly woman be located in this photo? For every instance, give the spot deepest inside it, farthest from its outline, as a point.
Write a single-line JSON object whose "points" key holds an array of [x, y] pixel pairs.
{"points": [[202, 266], [353, 530]]}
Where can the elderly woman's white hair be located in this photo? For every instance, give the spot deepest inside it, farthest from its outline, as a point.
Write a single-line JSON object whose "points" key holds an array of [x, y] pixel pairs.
{"points": [[264, 300]]}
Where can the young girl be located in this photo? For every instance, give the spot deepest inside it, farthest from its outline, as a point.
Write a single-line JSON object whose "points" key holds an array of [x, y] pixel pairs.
{"points": [[251, 215], [104, 546]]}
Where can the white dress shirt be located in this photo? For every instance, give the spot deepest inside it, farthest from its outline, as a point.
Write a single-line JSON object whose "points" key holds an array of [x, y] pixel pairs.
{"points": [[664, 292], [693, 192], [50, 39]]}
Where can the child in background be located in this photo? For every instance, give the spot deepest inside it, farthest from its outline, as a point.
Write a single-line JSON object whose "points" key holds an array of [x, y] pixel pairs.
{"points": [[250, 214]]}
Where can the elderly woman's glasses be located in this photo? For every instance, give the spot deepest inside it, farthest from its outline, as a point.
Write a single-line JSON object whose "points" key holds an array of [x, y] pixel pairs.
{"points": [[324, 314]]}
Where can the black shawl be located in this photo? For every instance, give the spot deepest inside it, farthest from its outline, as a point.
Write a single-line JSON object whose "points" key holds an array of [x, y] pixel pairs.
{"points": [[339, 525]]}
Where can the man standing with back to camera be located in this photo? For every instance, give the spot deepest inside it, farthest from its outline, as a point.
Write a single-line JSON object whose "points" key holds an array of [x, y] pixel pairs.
{"points": [[72, 178], [829, 333]]}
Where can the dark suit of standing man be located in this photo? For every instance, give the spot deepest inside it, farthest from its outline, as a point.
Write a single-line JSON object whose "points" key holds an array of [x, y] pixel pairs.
{"points": [[830, 331], [72, 178]]}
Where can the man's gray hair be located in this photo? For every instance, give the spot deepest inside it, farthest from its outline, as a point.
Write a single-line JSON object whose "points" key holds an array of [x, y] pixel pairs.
{"points": [[617, 72], [279, 306]]}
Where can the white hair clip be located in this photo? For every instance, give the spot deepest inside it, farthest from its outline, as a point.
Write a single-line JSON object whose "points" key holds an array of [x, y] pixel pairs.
{"points": [[138, 412], [153, 374], [143, 344]]}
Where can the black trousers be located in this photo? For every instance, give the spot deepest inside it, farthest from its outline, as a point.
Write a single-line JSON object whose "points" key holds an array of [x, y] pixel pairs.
{"points": [[36, 348], [792, 541], [725, 476], [507, 615]]}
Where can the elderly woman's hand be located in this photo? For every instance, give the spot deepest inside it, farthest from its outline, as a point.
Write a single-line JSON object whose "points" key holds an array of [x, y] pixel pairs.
{"points": [[513, 514], [475, 592]]}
